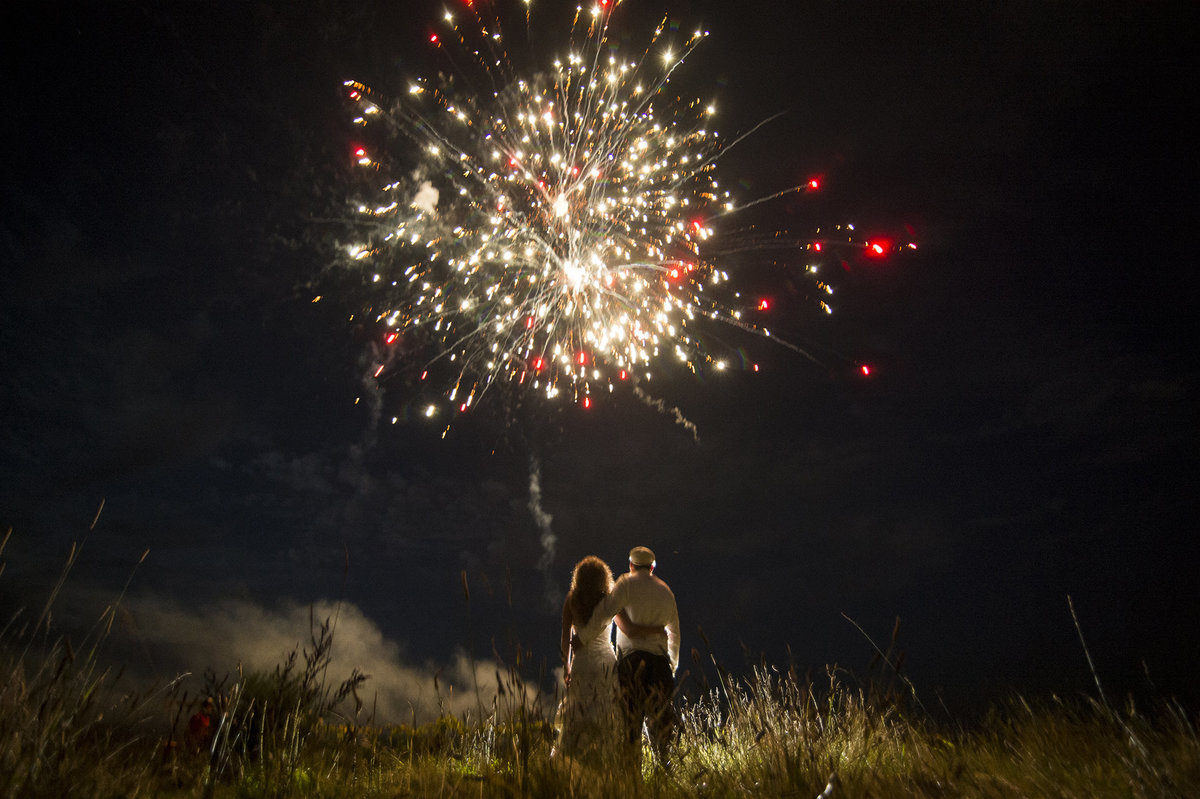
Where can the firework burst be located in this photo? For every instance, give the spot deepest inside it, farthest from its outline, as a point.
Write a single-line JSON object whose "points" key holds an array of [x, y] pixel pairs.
{"points": [[552, 233]]}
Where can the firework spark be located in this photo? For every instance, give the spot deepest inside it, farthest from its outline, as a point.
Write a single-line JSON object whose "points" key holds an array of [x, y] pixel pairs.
{"points": [[552, 233]]}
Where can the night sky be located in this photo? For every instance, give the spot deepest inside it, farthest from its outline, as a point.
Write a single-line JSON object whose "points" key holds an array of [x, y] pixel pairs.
{"points": [[176, 184]]}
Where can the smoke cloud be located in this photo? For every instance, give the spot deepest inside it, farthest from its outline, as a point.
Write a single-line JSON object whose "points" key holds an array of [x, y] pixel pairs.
{"points": [[426, 198], [223, 635]]}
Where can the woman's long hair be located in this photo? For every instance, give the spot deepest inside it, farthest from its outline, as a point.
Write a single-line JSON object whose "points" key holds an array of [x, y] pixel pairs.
{"points": [[590, 582]]}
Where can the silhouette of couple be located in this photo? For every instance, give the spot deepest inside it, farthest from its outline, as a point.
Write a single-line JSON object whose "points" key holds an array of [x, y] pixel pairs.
{"points": [[611, 694]]}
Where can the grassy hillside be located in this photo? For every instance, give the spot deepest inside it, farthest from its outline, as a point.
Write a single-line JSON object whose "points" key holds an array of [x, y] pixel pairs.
{"points": [[67, 728]]}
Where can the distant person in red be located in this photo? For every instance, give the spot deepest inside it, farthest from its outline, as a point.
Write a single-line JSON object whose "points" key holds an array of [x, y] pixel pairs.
{"points": [[200, 726]]}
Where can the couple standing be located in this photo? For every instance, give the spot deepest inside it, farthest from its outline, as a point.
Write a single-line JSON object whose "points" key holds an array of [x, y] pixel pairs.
{"points": [[610, 694]]}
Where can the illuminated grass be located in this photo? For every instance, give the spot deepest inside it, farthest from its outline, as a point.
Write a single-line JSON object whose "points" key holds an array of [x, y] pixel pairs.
{"points": [[66, 729]]}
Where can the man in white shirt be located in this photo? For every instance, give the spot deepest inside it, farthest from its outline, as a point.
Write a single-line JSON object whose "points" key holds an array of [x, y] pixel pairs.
{"points": [[646, 665]]}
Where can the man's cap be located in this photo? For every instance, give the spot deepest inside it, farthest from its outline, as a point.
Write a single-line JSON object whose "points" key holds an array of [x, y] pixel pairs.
{"points": [[641, 556]]}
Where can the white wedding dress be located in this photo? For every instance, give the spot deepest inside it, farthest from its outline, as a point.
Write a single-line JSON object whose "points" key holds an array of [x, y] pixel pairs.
{"points": [[587, 716]]}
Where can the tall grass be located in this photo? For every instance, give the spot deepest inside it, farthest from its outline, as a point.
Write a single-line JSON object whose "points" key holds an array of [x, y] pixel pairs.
{"points": [[67, 730], [65, 727], [266, 724]]}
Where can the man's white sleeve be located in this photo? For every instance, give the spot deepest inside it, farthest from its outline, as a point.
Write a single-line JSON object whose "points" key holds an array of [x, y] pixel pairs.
{"points": [[673, 636], [615, 600]]}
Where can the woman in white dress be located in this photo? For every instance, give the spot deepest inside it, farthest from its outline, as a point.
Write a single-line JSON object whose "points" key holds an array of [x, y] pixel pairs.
{"points": [[587, 717]]}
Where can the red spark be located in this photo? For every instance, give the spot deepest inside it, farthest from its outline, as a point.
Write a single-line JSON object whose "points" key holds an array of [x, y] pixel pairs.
{"points": [[877, 248], [764, 304], [582, 358], [587, 402], [538, 363], [866, 370], [814, 184], [390, 338]]}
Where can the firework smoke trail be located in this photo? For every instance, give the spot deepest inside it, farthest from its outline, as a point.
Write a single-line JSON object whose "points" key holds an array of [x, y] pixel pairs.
{"points": [[550, 235], [546, 536], [373, 393], [662, 408]]}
